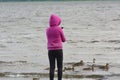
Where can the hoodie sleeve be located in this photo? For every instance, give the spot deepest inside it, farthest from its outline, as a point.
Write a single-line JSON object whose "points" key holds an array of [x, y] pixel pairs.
{"points": [[62, 35]]}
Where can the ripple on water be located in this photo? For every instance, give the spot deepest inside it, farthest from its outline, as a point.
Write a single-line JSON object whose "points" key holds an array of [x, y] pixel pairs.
{"points": [[2, 46]]}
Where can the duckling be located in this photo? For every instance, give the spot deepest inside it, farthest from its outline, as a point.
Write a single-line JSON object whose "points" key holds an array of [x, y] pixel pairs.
{"points": [[81, 63], [104, 67], [69, 68], [89, 68], [107, 66], [94, 60]]}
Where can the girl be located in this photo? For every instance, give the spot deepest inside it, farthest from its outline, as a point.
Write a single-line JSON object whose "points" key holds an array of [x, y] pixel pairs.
{"points": [[55, 37]]}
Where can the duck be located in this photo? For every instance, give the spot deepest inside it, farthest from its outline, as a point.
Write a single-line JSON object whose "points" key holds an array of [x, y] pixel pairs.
{"points": [[104, 67], [81, 63], [89, 68], [68, 68]]}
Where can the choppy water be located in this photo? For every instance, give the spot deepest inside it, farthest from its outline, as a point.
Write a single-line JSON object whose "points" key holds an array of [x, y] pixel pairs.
{"points": [[92, 31]]}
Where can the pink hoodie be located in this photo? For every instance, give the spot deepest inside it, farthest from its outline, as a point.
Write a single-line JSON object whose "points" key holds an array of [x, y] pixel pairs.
{"points": [[55, 35]]}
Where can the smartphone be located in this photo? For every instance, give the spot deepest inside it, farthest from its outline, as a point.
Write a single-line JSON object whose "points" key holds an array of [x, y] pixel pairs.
{"points": [[62, 27]]}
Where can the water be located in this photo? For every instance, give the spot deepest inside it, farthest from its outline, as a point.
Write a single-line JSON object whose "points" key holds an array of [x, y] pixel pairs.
{"points": [[91, 27]]}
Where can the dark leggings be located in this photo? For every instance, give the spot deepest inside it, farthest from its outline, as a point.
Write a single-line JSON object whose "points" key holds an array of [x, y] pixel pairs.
{"points": [[55, 55]]}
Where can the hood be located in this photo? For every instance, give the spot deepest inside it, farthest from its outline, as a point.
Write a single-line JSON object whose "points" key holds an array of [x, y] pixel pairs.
{"points": [[54, 20]]}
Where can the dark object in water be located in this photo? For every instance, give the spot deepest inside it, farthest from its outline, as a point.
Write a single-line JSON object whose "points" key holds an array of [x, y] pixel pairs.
{"points": [[114, 41], [81, 63], [95, 76], [89, 68], [104, 67], [35, 78], [94, 41], [68, 68]]}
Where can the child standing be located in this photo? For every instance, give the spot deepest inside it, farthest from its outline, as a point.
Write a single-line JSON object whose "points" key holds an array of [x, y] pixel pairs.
{"points": [[55, 37]]}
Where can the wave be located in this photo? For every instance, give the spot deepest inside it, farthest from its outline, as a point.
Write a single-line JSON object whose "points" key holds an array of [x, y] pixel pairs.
{"points": [[5, 62], [94, 41]]}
